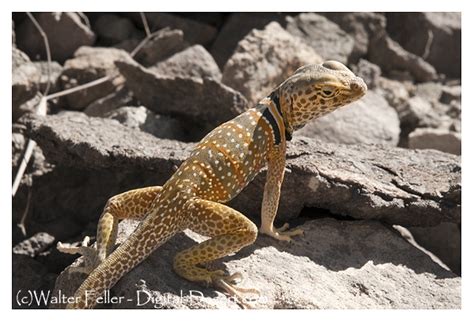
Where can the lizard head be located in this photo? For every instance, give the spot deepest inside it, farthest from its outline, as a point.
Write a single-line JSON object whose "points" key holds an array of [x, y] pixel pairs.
{"points": [[315, 90]]}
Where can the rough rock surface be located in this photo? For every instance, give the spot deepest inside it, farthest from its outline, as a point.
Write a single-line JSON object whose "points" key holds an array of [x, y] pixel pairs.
{"points": [[88, 64], [205, 99], [145, 120], [435, 36], [438, 139], [326, 38], [194, 61], [390, 56], [165, 43], [236, 27], [398, 186], [444, 240], [65, 31], [362, 26], [371, 118], [265, 58], [338, 265]]}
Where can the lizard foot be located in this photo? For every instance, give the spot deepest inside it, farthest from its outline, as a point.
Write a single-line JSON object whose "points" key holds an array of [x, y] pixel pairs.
{"points": [[283, 233], [88, 251], [227, 284]]}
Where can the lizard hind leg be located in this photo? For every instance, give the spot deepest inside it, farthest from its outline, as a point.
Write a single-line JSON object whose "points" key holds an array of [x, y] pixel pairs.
{"points": [[229, 231], [132, 204]]}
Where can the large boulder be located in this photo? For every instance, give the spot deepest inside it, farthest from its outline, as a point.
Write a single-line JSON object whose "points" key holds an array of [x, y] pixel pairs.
{"points": [[89, 64], [194, 61], [369, 120], [335, 265], [398, 186], [391, 57], [236, 27], [66, 32], [435, 36], [202, 100], [323, 35], [265, 58]]}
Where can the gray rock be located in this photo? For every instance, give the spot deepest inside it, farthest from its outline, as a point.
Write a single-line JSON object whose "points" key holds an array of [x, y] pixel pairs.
{"points": [[396, 93], [336, 265], [25, 82], [370, 120], [390, 56], [195, 32], [236, 27], [206, 100], [362, 26], [326, 38], [435, 36], [87, 65], [145, 120], [438, 139], [55, 70], [165, 43], [265, 58], [194, 61], [34, 245], [444, 240], [112, 29], [450, 93], [65, 31], [122, 96], [398, 186], [429, 91], [369, 72], [18, 58]]}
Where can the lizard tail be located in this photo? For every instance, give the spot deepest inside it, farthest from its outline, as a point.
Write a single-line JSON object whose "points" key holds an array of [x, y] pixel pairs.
{"points": [[141, 243]]}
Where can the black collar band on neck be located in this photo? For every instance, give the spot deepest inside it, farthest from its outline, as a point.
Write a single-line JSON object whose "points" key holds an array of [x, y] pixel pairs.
{"points": [[276, 100]]}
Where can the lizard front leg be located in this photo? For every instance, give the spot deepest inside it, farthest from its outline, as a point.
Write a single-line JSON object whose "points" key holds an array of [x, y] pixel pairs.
{"points": [[271, 197]]}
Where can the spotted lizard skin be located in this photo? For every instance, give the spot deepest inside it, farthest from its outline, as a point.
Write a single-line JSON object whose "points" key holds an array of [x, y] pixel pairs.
{"points": [[219, 167]]}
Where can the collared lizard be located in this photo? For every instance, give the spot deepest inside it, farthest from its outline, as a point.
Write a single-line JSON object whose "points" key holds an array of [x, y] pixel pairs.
{"points": [[219, 167]]}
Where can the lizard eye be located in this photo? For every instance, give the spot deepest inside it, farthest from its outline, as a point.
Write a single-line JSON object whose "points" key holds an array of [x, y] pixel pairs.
{"points": [[327, 91]]}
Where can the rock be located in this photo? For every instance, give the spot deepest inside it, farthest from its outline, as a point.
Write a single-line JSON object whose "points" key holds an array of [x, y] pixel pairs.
{"points": [[18, 58], [396, 93], [429, 91], [444, 240], [265, 58], [145, 120], [112, 29], [165, 43], [438, 139], [435, 36], [362, 26], [28, 275], [370, 121], [390, 56], [25, 79], [194, 61], [34, 245], [66, 32], [88, 65], [398, 186], [354, 265], [236, 27], [326, 38], [369, 72], [55, 71], [194, 32], [122, 96], [450, 93], [206, 100]]}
